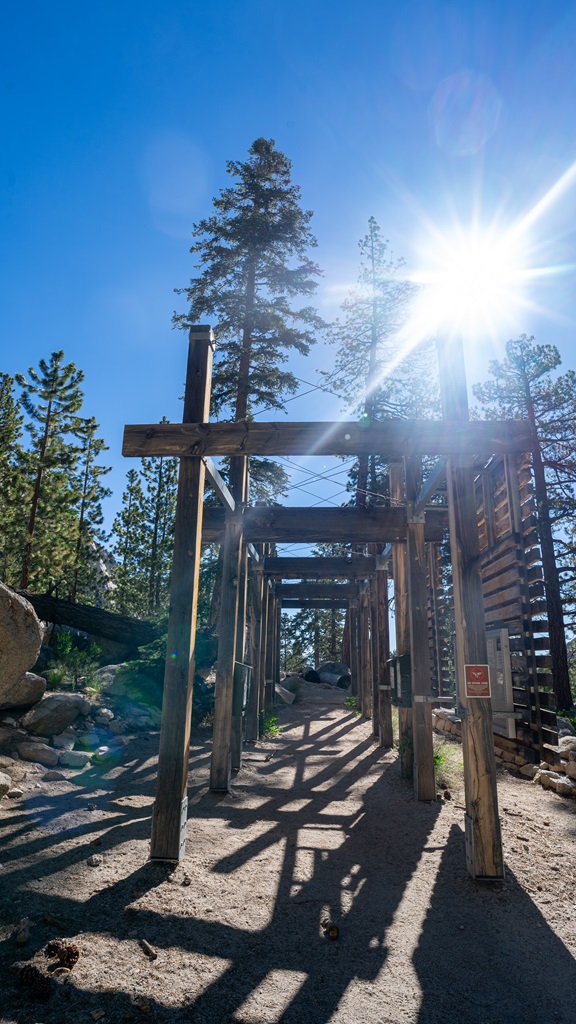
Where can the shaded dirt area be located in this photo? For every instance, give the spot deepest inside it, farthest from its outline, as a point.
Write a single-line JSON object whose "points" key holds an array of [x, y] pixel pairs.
{"points": [[319, 825]]}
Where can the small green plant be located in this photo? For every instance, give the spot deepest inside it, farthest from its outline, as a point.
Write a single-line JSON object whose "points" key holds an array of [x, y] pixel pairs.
{"points": [[73, 661], [352, 702], [269, 723], [448, 767]]}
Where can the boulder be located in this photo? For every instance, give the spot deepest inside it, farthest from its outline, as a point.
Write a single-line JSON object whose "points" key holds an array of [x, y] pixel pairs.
{"points": [[55, 713], [25, 691], [40, 753], [66, 739], [566, 787], [571, 769], [20, 640], [5, 783], [566, 743], [74, 758]]}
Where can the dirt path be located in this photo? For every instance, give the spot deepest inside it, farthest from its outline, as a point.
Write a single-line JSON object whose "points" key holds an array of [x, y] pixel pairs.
{"points": [[319, 825]]}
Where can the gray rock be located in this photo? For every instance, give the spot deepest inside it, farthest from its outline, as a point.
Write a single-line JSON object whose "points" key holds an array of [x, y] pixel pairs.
{"points": [[95, 860], [565, 727], [20, 640], [74, 758], [15, 793], [566, 743], [5, 783], [116, 727], [55, 713], [570, 769], [529, 771], [566, 787], [103, 716], [54, 776], [25, 691], [40, 753], [547, 779], [66, 739]]}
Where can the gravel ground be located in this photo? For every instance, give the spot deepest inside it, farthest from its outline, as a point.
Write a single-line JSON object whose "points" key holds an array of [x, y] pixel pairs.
{"points": [[318, 827]]}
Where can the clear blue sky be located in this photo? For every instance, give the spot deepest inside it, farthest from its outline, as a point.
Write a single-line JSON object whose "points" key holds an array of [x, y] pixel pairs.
{"points": [[117, 120]]}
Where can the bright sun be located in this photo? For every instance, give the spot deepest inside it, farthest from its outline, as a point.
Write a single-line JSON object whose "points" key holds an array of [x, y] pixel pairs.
{"points": [[475, 282]]}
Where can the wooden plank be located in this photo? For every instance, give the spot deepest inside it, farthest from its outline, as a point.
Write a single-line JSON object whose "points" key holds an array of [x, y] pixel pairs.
{"points": [[484, 854], [374, 653], [218, 485], [389, 439], [405, 745], [433, 482], [301, 602], [323, 591], [324, 568], [220, 764], [365, 679], [266, 524], [423, 771], [255, 593], [386, 734], [169, 815]]}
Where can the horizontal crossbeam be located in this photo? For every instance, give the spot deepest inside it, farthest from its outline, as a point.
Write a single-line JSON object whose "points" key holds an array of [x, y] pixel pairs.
{"points": [[321, 591], [389, 439], [358, 567], [263, 524], [315, 603]]}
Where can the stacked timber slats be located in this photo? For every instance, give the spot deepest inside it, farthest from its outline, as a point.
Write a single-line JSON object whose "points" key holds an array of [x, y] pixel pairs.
{"points": [[514, 594]]}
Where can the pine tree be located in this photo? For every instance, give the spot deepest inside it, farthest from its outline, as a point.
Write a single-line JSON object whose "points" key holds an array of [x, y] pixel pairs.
{"points": [[160, 476], [90, 536], [252, 257], [130, 582], [522, 387], [51, 398], [13, 484], [369, 369]]}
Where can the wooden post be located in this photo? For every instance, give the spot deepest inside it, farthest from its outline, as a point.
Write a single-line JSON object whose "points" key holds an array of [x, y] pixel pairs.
{"points": [[170, 807], [237, 719], [277, 639], [354, 660], [374, 657], [255, 593], [484, 856], [365, 653], [402, 624], [231, 570], [386, 734], [270, 633], [424, 781]]}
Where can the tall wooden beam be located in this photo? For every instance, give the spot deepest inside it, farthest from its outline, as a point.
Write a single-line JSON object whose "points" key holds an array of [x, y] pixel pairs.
{"points": [[391, 439], [406, 751], [220, 765], [374, 657], [170, 807], [424, 782], [255, 594], [484, 854], [365, 684], [354, 656], [266, 524], [386, 734]]}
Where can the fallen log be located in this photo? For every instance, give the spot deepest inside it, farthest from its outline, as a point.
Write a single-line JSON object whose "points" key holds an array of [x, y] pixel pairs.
{"points": [[96, 621]]}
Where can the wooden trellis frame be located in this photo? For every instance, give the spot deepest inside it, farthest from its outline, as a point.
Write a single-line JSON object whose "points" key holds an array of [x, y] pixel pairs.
{"points": [[407, 527]]}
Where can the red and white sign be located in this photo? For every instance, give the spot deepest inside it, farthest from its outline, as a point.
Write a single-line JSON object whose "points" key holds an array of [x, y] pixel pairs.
{"points": [[477, 678]]}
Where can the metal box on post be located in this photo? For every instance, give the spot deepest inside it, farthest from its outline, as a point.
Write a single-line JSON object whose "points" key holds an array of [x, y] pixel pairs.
{"points": [[401, 680]]}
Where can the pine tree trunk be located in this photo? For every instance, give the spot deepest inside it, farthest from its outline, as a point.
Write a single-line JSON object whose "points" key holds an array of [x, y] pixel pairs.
{"points": [[25, 575]]}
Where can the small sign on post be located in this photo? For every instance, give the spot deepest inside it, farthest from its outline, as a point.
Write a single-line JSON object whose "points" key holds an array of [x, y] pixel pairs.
{"points": [[477, 680]]}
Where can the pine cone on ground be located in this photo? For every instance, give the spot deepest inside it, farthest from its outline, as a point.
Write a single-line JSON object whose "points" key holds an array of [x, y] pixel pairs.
{"points": [[66, 953], [29, 974]]}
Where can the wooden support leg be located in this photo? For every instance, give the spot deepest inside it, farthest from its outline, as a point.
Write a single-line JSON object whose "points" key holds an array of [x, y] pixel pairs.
{"points": [[231, 572], [424, 781], [354, 660], [170, 807], [375, 658], [365, 659], [255, 591], [484, 854], [386, 734], [270, 635], [406, 749], [237, 719]]}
